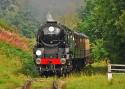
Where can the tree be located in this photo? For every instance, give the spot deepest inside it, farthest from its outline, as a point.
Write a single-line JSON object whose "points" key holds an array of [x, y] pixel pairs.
{"points": [[101, 20], [16, 14], [98, 50]]}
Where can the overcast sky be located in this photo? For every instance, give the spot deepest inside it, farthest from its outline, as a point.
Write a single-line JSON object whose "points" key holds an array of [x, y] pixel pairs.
{"points": [[56, 7]]}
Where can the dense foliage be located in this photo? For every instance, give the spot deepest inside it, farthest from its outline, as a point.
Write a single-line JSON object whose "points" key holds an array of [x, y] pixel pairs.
{"points": [[105, 20], [16, 13], [70, 20]]}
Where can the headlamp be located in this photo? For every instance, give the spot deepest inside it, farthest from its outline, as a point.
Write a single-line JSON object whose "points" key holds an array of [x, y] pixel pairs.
{"points": [[63, 60], [38, 61], [51, 29], [38, 52]]}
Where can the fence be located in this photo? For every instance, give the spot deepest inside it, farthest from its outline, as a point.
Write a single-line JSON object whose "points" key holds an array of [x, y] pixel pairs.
{"points": [[111, 70]]}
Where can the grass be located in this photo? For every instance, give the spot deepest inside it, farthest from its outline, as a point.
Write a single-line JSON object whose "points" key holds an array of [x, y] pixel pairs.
{"points": [[96, 78], [96, 82], [8, 67], [16, 66], [42, 83], [12, 61]]}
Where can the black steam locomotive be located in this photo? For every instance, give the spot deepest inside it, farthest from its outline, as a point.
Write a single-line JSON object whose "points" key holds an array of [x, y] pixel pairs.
{"points": [[59, 50]]}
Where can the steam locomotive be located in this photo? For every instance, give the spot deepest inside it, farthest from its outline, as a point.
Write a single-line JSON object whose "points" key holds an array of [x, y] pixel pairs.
{"points": [[59, 50]]}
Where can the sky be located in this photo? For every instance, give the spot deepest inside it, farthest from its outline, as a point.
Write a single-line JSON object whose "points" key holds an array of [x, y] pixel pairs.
{"points": [[55, 7]]}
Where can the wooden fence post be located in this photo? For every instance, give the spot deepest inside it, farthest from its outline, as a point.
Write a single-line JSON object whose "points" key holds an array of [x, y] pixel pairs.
{"points": [[109, 72]]}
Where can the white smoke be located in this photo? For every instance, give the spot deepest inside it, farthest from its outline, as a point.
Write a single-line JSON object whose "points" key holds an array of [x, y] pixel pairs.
{"points": [[55, 7]]}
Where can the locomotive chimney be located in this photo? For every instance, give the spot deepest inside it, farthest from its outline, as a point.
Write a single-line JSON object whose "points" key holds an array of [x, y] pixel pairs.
{"points": [[50, 19]]}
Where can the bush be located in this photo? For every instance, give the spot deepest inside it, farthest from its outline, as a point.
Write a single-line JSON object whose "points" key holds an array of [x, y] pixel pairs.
{"points": [[98, 50]]}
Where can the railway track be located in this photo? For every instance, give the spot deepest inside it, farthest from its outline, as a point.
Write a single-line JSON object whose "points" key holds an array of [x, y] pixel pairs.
{"points": [[56, 84], [27, 84]]}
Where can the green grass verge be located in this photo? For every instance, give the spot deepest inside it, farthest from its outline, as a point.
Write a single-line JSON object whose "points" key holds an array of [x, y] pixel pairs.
{"points": [[16, 66], [96, 82], [95, 77]]}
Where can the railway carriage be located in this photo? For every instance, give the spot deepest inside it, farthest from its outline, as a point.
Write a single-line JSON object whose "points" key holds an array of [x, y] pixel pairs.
{"points": [[59, 50]]}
